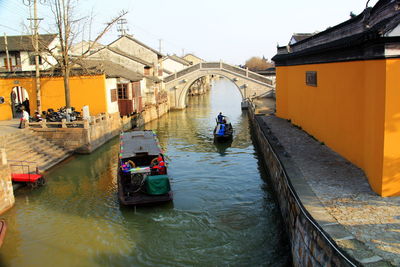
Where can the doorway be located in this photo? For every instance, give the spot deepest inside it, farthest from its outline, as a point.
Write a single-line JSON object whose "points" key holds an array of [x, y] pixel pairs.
{"points": [[19, 98]]}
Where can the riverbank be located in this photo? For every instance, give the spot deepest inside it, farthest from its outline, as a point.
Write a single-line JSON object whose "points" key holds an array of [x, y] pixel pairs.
{"points": [[364, 226]]}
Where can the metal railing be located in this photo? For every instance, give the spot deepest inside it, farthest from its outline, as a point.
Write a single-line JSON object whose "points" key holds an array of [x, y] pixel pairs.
{"points": [[25, 166], [220, 66]]}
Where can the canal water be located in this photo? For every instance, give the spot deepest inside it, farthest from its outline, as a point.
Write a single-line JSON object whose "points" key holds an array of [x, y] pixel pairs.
{"points": [[223, 213]]}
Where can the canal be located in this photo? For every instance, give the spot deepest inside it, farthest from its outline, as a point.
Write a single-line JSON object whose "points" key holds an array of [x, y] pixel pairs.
{"points": [[223, 213]]}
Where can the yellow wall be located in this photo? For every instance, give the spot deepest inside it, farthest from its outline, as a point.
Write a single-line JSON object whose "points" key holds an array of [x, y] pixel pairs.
{"points": [[347, 112], [85, 90], [391, 163]]}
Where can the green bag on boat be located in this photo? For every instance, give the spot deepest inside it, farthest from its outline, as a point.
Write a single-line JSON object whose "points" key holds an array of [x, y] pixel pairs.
{"points": [[157, 185]]}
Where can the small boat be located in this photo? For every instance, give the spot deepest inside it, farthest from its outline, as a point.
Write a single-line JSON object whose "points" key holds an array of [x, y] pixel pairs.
{"points": [[26, 172], [223, 131], [3, 228], [142, 171]]}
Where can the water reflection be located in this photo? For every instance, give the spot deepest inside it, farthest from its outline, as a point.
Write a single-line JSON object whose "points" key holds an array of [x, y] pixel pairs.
{"points": [[223, 146]]}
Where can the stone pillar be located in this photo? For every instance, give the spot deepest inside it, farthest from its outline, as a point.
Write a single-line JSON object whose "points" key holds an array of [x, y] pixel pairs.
{"points": [[6, 190]]}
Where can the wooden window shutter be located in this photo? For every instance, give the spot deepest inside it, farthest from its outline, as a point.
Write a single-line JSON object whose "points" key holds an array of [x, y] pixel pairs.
{"points": [[114, 96]]}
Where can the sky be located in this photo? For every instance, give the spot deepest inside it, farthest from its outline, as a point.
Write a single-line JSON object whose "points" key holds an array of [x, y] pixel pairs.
{"points": [[229, 30]]}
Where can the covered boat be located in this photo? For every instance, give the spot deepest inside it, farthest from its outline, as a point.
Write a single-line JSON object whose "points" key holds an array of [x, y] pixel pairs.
{"points": [[223, 131], [142, 171]]}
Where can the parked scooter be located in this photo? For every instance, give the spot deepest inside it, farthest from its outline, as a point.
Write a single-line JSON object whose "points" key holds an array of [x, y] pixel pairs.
{"points": [[62, 113]]}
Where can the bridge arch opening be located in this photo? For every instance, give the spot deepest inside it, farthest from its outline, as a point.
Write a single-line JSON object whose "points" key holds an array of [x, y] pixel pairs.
{"points": [[186, 91]]}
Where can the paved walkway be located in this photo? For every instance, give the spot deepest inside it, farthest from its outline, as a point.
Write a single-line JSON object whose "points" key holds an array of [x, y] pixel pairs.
{"points": [[9, 126], [366, 225]]}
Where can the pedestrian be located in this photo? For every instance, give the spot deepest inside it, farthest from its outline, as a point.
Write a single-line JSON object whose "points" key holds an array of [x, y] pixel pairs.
{"points": [[24, 119], [26, 105]]}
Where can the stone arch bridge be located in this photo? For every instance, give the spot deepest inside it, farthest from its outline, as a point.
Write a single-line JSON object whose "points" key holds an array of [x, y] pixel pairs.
{"points": [[249, 84]]}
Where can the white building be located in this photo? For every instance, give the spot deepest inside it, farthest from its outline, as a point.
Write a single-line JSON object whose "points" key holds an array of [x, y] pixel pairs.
{"points": [[21, 52], [173, 63]]}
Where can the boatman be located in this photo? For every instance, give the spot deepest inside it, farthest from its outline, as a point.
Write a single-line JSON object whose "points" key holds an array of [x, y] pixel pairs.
{"points": [[220, 117]]}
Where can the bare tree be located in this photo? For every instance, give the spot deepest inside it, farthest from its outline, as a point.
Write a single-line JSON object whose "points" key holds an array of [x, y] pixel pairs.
{"points": [[257, 63], [69, 28]]}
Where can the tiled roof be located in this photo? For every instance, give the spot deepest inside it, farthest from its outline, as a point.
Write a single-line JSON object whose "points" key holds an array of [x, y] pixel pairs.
{"points": [[178, 59], [359, 38], [25, 42], [111, 69], [140, 43], [301, 36]]}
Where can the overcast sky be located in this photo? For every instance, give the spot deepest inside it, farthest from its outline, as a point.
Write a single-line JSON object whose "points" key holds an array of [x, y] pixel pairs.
{"points": [[228, 30]]}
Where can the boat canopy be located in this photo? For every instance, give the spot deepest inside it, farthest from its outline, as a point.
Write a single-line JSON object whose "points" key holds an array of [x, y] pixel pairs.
{"points": [[138, 143]]}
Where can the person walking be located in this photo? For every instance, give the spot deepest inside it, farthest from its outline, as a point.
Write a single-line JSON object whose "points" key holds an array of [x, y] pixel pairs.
{"points": [[26, 105], [24, 119]]}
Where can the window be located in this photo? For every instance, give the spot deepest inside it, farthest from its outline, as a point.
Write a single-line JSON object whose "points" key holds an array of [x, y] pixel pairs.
{"points": [[311, 78], [147, 70], [7, 66], [32, 59], [135, 89], [122, 91], [114, 95]]}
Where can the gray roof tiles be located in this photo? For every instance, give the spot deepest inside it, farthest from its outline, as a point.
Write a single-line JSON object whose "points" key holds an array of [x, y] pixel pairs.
{"points": [[111, 69], [25, 42]]}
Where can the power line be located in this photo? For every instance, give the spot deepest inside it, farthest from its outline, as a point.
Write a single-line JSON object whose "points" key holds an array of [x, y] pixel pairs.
{"points": [[10, 28], [157, 37]]}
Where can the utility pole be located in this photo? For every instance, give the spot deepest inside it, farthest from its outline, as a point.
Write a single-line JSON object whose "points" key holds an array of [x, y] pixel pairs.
{"points": [[160, 46], [36, 46], [7, 55]]}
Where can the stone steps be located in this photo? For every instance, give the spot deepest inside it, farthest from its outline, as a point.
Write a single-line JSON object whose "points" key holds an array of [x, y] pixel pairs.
{"points": [[24, 145], [35, 148]]}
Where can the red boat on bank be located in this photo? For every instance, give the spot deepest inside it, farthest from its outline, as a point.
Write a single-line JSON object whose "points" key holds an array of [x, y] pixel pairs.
{"points": [[22, 172]]}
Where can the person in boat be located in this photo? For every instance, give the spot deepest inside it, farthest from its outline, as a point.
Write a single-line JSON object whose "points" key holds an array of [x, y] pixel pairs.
{"points": [[158, 165], [127, 166], [220, 118], [221, 130]]}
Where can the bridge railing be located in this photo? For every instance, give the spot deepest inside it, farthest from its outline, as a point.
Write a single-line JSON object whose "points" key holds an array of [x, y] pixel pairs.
{"points": [[234, 69], [179, 74], [210, 65], [221, 66]]}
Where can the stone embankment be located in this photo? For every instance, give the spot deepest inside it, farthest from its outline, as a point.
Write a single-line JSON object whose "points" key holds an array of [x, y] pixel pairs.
{"points": [[79, 136], [332, 215], [6, 189]]}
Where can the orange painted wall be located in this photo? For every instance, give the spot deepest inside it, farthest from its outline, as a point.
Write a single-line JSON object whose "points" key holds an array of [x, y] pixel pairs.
{"points": [[85, 90], [391, 163], [346, 111]]}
